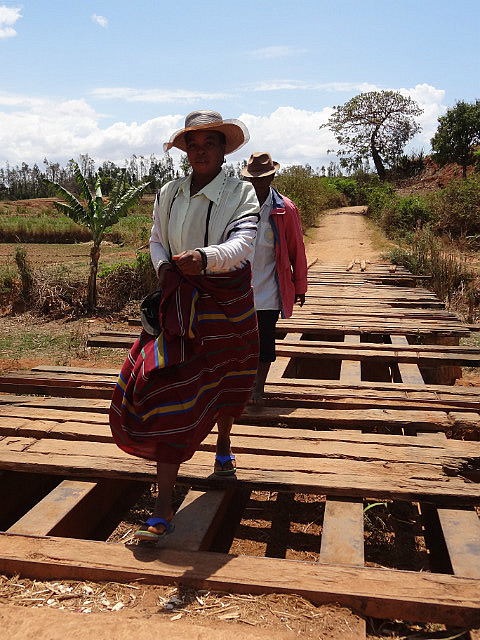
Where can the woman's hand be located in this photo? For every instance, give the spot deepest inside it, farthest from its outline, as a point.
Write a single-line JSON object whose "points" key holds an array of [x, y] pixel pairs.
{"points": [[300, 298], [189, 262]]}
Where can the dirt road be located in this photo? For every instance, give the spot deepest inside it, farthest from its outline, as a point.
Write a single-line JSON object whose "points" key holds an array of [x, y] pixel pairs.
{"points": [[341, 236]]}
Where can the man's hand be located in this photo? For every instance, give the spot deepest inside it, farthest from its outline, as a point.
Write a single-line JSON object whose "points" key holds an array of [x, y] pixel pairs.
{"points": [[300, 298], [189, 262]]}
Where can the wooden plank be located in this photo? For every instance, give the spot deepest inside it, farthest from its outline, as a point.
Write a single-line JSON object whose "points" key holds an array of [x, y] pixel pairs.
{"points": [[417, 357], [298, 391], [441, 391], [45, 516], [347, 419], [322, 397], [198, 519], [409, 372], [351, 370], [461, 529], [317, 418], [111, 342], [354, 325], [380, 593], [81, 391], [89, 372], [80, 509], [342, 533], [277, 369], [374, 311], [351, 345], [304, 443], [342, 540], [294, 443], [431, 482]]}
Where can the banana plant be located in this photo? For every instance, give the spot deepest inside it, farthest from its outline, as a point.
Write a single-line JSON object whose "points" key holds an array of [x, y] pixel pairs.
{"points": [[96, 215]]}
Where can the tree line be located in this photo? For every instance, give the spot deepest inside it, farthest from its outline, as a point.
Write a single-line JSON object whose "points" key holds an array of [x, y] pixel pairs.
{"points": [[24, 182], [374, 125]]}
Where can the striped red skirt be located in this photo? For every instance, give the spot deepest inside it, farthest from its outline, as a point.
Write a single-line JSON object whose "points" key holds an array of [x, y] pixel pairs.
{"points": [[172, 388]]}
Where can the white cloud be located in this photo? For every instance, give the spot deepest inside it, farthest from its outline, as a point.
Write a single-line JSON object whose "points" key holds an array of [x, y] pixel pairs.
{"points": [[101, 20], [346, 87], [15, 100], [279, 51], [62, 130], [33, 128], [8, 17], [430, 100], [155, 95], [291, 136]]}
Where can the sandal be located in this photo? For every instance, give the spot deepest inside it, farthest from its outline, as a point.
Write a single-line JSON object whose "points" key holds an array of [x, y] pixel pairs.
{"points": [[144, 534], [221, 461]]}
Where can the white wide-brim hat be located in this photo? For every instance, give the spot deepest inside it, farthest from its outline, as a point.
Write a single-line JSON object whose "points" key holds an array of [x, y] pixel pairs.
{"points": [[235, 132]]}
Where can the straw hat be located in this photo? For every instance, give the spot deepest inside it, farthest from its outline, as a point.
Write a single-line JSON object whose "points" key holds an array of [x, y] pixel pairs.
{"points": [[260, 165], [235, 132]]}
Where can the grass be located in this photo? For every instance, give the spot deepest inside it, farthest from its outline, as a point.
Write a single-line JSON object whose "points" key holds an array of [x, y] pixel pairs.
{"points": [[451, 276], [378, 239], [23, 341], [34, 222], [32, 343], [73, 257]]}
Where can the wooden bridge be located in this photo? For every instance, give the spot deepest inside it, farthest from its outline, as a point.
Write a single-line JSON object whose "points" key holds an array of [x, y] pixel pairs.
{"points": [[361, 407]]}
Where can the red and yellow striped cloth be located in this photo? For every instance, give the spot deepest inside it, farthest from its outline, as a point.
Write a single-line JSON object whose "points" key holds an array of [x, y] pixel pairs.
{"points": [[171, 389]]}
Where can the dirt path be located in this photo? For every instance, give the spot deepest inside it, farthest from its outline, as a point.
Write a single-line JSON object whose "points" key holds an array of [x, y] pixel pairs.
{"points": [[341, 236]]}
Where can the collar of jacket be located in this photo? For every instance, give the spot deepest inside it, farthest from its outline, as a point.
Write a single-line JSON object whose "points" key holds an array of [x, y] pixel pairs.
{"points": [[278, 203], [212, 191]]}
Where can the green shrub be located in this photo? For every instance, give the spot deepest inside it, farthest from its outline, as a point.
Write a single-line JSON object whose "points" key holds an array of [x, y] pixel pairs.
{"points": [[398, 217], [408, 166], [25, 271], [404, 215], [380, 198], [310, 192], [349, 187], [457, 208], [8, 279]]}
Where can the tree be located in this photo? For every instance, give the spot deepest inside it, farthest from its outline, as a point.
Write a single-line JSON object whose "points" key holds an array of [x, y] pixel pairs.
{"points": [[96, 215], [458, 135], [376, 124]]}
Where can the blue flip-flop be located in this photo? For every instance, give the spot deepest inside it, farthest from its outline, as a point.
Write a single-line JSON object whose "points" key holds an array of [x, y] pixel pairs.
{"points": [[149, 536], [223, 460]]}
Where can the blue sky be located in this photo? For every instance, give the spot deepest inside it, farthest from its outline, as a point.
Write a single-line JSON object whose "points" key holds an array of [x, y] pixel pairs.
{"points": [[114, 78]]}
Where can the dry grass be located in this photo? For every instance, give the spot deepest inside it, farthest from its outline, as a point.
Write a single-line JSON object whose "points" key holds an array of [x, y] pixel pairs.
{"points": [[279, 612]]}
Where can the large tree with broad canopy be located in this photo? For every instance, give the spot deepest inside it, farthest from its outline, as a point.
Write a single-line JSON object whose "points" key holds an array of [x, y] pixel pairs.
{"points": [[376, 125]]}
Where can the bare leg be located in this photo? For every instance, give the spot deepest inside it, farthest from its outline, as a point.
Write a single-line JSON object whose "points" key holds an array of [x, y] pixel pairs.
{"points": [[166, 476], [259, 384], [224, 424]]}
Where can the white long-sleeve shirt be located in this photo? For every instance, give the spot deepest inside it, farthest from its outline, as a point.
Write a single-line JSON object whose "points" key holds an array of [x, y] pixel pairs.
{"points": [[221, 219]]}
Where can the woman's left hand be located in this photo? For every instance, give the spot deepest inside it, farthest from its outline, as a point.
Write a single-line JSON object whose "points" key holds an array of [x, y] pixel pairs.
{"points": [[189, 262]]}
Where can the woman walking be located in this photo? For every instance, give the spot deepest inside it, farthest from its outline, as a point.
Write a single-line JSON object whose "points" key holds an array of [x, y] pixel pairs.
{"points": [[195, 362]]}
